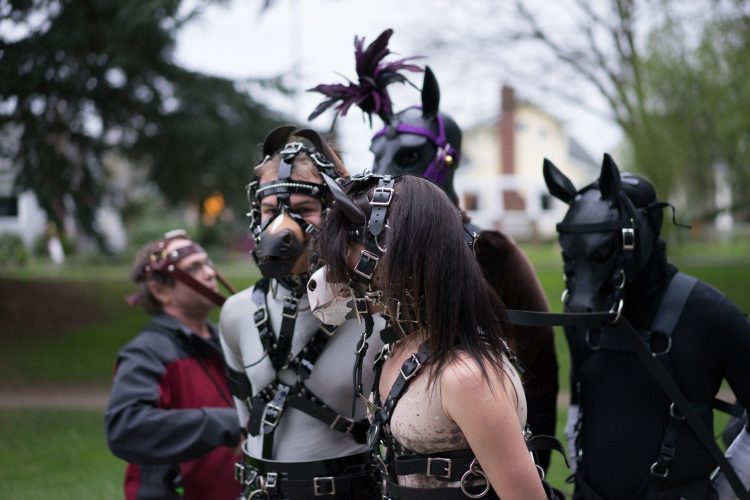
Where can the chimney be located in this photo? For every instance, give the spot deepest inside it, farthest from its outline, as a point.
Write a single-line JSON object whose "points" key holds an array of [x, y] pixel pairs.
{"points": [[507, 132]]}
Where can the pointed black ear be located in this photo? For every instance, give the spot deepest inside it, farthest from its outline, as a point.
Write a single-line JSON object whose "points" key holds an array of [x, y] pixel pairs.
{"points": [[276, 139], [558, 184], [351, 211], [609, 178], [430, 94]]}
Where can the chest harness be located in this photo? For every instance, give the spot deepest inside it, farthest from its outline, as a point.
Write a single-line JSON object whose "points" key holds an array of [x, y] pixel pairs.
{"points": [[609, 331], [393, 458], [262, 477]]}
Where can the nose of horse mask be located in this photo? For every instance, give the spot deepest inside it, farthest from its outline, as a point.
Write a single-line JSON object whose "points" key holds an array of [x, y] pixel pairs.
{"points": [[280, 248]]}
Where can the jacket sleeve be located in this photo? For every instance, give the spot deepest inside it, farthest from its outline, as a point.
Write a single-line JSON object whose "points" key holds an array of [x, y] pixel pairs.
{"points": [[138, 431]]}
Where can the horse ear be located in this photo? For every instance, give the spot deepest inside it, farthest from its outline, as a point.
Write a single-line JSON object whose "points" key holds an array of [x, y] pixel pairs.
{"points": [[276, 139], [350, 209], [609, 178], [430, 94], [558, 184]]}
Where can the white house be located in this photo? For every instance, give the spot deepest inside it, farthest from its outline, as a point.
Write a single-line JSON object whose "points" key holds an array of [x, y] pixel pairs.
{"points": [[500, 181]]}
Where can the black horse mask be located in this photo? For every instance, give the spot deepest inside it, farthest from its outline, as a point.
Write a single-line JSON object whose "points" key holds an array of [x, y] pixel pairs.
{"points": [[607, 236], [420, 141]]}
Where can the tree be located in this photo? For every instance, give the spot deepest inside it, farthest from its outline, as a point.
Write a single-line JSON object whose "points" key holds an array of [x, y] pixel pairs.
{"points": [[79, 79], [643, 58]]}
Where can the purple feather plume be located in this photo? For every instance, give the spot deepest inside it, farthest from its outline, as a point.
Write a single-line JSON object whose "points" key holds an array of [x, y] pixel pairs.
{"points": [[370, 92]]}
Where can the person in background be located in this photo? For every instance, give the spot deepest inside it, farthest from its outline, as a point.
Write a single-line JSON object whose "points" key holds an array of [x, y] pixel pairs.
{"points": [[170, 414]]}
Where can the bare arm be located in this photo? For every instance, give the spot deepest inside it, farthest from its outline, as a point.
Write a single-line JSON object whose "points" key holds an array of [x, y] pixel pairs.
{"points": [[487, 417]]}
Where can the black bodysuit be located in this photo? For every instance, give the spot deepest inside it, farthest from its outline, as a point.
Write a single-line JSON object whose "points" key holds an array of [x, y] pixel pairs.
{"points": [[625, 413]]}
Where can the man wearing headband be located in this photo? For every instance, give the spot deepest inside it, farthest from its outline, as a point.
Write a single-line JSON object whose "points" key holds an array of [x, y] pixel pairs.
{"points": [[170, 414]]}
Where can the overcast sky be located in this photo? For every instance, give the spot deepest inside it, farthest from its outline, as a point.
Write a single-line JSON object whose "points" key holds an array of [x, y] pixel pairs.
{"points": [[315, 39]]}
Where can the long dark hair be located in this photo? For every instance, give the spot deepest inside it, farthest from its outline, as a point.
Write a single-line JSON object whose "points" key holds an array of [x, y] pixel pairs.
{"points": [[428, 264]]}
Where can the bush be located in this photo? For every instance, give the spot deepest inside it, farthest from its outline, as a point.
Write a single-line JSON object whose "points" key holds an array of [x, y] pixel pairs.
{"points": [[12, 251]]}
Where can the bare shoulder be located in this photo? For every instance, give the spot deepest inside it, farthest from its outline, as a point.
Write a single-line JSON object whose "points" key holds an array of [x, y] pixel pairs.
{"points": [[463, 384]]}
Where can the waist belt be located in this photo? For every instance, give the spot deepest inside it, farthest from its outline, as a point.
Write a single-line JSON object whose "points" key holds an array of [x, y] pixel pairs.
{"points": [[309, 469], [336, 477]]}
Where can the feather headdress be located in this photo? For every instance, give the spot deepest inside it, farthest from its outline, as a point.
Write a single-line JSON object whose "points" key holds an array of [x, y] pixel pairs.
{"points": [[370, 92]]}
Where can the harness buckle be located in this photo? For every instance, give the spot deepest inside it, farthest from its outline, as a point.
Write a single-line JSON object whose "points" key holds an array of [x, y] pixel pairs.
{"points": [[628, 238], [323, 486], [239, 472], [414, 370], [260, 316], [347, 428], [445, 465], [272, 479], [290, 307], [366, 264], [271, 419], [378, 194]]}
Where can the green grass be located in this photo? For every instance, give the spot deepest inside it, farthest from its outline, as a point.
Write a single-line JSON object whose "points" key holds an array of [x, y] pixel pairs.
{"points": [[62, 453], [56, 454]]}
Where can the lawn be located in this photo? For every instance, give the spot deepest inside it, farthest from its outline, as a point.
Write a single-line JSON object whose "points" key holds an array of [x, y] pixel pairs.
{"points": [[63, 326]]}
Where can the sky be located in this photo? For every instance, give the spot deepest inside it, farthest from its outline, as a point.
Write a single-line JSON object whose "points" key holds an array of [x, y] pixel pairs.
{"points": [[311, 42]]}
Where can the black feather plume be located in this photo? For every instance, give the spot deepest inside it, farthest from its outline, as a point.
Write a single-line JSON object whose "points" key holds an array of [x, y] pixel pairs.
{"points": [[370, 92]]}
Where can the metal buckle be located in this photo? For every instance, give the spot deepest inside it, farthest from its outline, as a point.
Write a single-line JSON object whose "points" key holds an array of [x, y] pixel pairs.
{"points": [[289, 301], [264, 312], [239, 472], [413, 371], [272, 478], [370, 257], [445, 462], [349, 425], [274, 420], [321, 488], [379, 191], [628, 238]]}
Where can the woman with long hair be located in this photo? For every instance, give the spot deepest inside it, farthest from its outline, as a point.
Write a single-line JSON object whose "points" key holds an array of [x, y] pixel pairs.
{"points": [[452, 423]]}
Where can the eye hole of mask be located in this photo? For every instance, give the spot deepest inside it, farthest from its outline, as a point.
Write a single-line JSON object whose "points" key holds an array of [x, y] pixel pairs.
{"points": [[407, 158], [604, 251]]}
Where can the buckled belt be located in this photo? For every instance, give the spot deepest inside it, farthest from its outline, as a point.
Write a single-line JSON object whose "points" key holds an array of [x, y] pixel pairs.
{"points": [[313, 468]]}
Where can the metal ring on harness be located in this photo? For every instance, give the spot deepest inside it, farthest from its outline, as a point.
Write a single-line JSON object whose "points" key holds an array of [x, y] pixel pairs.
{"points": [[591, 346], [564, 296], [618, 310], [377, 236], [475, 470], [253, 494], [621, 285]]}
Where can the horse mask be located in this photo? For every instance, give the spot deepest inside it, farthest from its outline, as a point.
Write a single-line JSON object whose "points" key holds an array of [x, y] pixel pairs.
{"points": [[607, 236], [420, 141]]}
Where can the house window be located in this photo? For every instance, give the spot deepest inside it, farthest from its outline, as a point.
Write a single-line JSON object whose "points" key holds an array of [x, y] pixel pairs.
{"points": [[8, 206], [471, 201], [512, 200], [545, 201]]}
